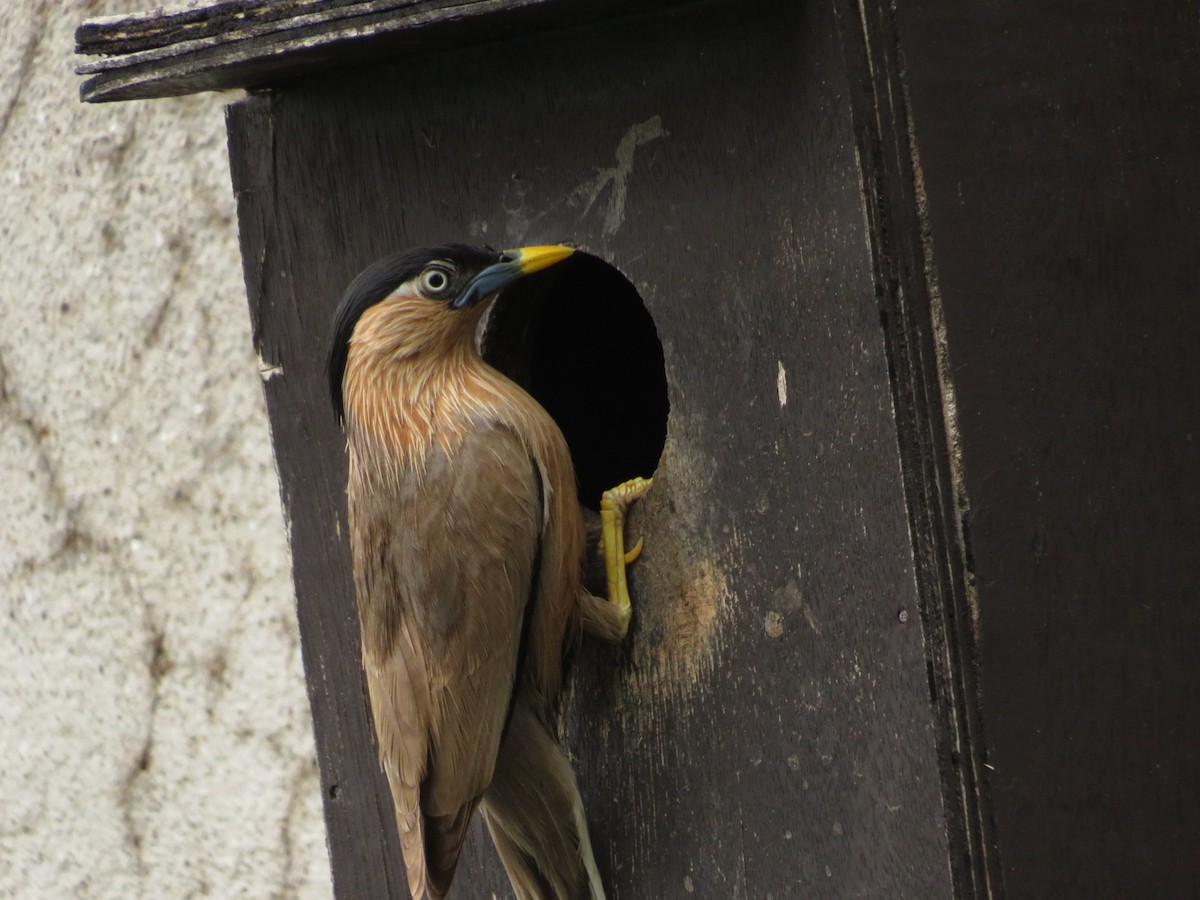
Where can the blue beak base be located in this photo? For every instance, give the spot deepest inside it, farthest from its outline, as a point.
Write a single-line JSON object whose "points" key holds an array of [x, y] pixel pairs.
{"points": [[512, 264]]}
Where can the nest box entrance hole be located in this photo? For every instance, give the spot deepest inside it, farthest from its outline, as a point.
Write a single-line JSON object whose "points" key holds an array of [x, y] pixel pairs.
{"points": [[578, 338]]}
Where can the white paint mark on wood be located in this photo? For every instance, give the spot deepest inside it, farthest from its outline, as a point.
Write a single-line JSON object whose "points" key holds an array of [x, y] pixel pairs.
{"points": [[811, 618], [618, 175], [268, 370], [781, 384]]}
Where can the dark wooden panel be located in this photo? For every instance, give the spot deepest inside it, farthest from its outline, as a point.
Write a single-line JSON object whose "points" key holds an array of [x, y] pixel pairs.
{"points": [[905, 278], [361, 827], [1059, 147], [767, 731]]}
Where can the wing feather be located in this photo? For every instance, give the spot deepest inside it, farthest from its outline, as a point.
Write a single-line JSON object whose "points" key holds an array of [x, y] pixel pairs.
{"points": [[450, 558]]}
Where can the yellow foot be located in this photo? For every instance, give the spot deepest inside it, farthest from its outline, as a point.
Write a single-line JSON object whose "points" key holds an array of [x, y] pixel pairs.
{"points": [[613, 505]]}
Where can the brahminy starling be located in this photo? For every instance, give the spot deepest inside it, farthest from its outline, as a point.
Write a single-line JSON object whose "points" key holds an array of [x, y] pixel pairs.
{"points": [[468, 546]]}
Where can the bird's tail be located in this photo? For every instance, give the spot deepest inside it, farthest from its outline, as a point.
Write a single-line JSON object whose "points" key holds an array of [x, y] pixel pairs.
{"points": [[432, 845], [535, 816]]}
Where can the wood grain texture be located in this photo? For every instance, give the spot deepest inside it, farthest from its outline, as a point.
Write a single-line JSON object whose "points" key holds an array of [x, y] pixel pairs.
{"points": [[906, 283], [219, 21], [242, 44], [766, 731], [360, 822], [1059, 153]]}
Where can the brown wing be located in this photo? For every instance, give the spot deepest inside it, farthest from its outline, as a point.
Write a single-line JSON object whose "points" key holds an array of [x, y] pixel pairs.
{"points": [[455, 547]]}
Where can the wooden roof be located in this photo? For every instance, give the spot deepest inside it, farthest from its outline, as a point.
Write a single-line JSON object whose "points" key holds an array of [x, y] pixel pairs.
{"points": [[223, 44]]}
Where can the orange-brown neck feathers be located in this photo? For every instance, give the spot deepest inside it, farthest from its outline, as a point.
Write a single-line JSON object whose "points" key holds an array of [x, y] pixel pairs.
{"points": [[401, 328], [411, 377]]}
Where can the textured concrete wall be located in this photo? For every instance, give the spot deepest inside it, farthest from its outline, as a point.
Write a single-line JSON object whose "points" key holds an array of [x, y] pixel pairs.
{"points": [[155, 739]]}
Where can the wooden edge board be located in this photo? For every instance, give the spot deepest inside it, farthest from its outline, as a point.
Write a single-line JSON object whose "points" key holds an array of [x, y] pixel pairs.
{"points": [[342, 22], [910, 310], [136, 32], [183, 52]]}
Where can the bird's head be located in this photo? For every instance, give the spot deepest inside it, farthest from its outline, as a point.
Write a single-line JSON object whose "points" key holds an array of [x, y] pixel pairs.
{"points": [[424, 303]]}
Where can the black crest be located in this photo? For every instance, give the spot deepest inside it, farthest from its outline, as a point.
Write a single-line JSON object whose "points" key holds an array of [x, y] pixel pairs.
{"points": [[375, 283]]}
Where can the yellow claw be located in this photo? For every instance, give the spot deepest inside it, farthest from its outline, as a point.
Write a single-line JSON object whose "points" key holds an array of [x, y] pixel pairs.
{"points": [[613, 505], [632, 555]]}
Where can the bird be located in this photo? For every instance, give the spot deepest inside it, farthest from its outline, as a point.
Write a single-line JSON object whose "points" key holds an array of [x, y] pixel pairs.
{"points": [[468, 548]]}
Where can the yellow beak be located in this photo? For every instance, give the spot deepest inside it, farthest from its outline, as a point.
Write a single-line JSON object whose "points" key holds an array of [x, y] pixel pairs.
{"points": [[533, 259], [513, 264]]}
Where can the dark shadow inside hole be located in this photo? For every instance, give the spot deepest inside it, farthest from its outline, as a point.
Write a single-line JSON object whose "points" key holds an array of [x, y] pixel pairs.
{"points": [[579, 339]]}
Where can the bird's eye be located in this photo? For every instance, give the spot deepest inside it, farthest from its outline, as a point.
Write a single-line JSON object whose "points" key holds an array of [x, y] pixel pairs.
{"points": [[435, 281]]}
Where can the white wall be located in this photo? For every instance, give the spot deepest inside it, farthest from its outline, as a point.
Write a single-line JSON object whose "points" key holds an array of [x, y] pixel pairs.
{"points": [[155, 738]]}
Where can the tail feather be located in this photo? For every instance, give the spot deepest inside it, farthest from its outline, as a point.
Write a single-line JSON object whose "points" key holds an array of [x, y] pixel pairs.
{"points": [[411, 844], [444, 837], [535, 816], [432, 846], [523, 873]]}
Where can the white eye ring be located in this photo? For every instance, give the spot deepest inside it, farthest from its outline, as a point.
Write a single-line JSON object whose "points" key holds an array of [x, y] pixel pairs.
{"points": [[435, 280]]}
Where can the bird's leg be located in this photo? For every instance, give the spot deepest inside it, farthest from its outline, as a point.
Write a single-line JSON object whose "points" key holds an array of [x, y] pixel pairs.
{"points": [[613, 505]]}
